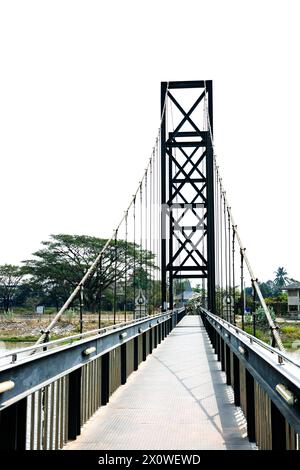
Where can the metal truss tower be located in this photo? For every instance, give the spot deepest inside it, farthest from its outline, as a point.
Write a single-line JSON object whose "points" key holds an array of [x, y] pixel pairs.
{"points": [[187, 187]]}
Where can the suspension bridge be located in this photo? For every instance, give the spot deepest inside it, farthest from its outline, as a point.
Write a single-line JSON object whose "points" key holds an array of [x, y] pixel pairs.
{"points": [[171, 375]]}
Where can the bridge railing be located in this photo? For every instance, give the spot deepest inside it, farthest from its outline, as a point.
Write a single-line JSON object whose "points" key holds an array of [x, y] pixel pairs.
{"points": [[46, 397], [265, 381]]}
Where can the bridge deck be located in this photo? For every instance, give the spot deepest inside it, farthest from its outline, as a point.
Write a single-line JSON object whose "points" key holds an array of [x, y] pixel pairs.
{"points": [[178, 399]]}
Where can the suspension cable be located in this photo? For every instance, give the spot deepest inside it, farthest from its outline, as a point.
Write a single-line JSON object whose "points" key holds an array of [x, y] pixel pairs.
{"points": [[229, 267], [126, 267], [233, 271], [101, 293], [115, 276], [141, 246], [134, 256], [91, 270], [273, 327]]}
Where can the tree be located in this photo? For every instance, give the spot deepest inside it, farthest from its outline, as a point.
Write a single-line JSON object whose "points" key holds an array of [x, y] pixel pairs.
{"points": [[64, 259], [268, 288], [11, 277], [281, 278]]}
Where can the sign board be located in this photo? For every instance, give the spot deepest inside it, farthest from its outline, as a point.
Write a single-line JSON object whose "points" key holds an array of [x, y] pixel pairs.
{"points": [[140, 304], [40, 309], [140, 299], [228, 300]]}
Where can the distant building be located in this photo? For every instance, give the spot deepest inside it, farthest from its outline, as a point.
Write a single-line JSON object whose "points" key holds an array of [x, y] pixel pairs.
{"points": [[293, 291], [182, 298]]}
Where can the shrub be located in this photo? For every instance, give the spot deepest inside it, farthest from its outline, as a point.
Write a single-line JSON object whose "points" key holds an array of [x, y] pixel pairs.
{"points": [[261, 318]]}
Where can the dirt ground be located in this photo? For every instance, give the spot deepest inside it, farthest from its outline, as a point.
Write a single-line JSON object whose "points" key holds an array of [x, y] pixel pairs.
{"points": [[29, 327]]}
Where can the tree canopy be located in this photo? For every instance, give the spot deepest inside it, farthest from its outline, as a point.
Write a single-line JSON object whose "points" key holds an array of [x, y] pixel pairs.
{"points": [[11, 277], [64, 259]]}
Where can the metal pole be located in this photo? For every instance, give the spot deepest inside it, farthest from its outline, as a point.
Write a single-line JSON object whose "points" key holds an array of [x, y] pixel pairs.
{"points": [[134, 258], [81, 309], [125, 284], [242, 288], [254, 310], [100, 302], [229, 267], [233, 270], [115, 280], [163, 198]]}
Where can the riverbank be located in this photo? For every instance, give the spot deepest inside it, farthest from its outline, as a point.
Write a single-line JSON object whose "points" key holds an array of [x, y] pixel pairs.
{"points": [[28, 328]]}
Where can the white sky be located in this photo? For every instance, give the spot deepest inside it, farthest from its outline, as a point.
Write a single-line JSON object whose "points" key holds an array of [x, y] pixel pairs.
{"points": [[80, 102]]}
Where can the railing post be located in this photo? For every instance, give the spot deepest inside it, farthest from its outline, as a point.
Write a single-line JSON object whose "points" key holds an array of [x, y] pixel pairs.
{"points": [[136, 353], [123, 363], [74, 404], [155, 337], [105, 379], [217, 344], [222, 355], [236, 381], [278, 429], [227, 364], [213, 334], [150, 340], [158, 333], [13, 426], [219, 347], [250, 406], [144, 342]]}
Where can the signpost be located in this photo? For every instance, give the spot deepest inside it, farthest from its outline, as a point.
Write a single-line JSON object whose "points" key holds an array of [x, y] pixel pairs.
{"points": [[140, 305]]}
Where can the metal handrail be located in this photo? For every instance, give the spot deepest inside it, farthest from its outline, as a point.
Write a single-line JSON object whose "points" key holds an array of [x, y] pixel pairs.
{"points": [[252, 339]]}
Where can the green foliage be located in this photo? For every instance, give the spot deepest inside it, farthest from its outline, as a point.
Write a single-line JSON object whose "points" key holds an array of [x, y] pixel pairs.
{"points": [[292, 332], [197, 289], [261, 319], [9, 314], [268, 289], [58, 267], [70, 314], [19, 339], [260, 334], [248, 318], [281, 278], [11, 277]]}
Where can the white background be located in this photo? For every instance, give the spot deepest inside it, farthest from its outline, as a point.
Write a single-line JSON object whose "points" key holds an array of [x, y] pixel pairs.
{"points": [[80, 102]]}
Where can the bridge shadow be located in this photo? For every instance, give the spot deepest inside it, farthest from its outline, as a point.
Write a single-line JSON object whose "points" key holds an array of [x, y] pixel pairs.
{"points": [[213, 396]]}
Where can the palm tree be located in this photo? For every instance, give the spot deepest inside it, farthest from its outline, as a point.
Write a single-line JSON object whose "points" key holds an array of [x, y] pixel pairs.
{"points": [[281, 278]]}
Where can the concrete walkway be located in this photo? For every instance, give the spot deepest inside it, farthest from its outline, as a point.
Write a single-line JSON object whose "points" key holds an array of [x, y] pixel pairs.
{"points": [[178, 399]]}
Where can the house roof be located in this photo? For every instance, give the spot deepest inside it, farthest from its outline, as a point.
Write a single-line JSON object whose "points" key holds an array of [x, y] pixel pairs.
{"points": [[293, 285]]}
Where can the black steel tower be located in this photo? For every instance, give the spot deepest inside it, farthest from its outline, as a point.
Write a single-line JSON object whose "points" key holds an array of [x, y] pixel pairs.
{"points": [[187, 186]]}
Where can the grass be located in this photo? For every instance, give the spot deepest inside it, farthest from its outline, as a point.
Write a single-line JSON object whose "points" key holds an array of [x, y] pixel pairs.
{"points": [[261, 334], [290, 335], [290, 330], [19, 339]]}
